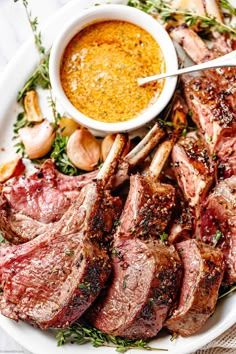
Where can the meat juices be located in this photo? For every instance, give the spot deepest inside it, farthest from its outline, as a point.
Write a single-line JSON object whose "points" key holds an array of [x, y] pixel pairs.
{"points": [[203, 272], [146, 272], [51, 280]]}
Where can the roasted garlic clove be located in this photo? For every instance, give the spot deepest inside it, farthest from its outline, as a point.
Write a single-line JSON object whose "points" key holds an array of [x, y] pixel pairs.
{"points": [[83, 150], [32, 109], [107, 144], [68, 126], [11, 169], [38, 139]]}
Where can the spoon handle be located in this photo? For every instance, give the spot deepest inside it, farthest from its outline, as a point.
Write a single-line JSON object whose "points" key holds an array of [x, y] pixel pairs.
{"points": [[226, 60]]}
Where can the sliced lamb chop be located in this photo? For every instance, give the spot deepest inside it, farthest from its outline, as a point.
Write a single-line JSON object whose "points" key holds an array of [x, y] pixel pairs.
{"points": [[210, 112], [194, 172], [181, 226], [146, 271], [203, 272], [227, 157], [223, 78], [218, 223], [51, 280], [28, 205]]}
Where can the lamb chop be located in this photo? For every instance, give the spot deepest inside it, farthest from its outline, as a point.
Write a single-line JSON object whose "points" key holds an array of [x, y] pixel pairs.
{"points": [[194, 172], [51, 280], [199, 52], [218, 223], [214, 118], [146, 271], [203, 272], [29, 205]]}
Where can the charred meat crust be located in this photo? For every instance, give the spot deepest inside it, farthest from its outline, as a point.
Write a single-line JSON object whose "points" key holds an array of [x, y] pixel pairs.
{"points": [[203, 272], [146, 276]]}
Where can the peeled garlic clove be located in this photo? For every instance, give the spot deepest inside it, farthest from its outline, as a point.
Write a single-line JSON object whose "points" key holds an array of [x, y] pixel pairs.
{"points": [[32, 109], [107, 144], [38, 139], [11, 169], [83, 150], [68, 126]]}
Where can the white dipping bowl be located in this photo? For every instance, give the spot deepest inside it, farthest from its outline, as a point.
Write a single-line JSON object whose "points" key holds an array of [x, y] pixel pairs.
{"points": [[103, 13]]}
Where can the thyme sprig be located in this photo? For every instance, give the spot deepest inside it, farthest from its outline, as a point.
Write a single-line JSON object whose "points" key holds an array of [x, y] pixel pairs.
{"points": [[60, 156], [33, 21], [81, 333], [227, 6], [190, 17], [40, 76]]}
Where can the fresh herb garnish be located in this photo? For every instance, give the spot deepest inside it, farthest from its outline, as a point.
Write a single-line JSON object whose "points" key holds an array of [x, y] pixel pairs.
{"points": [[2, 239], [83, 286], [82, 333], [116, 223], [20, 148], [190, 17], [40, 77], [227, 6], [60, 157], [34, 26], [69, 252], [124, 281], [163, 236], [21, 122], [217, 237], [214, 157]]}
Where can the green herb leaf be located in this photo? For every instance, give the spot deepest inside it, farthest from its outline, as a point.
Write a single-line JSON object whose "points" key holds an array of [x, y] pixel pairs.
{"points": [[117, 223], [124, 281], [60, 157], [164, 237], [214, 157], [21, 122], [217, 237], [39, 78], [2, 239], [190, 17], [69, 252], [81, 333], [227, 6]]}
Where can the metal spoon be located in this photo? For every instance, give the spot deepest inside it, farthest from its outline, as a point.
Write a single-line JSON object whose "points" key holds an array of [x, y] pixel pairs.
{"points": [[225, 60]]}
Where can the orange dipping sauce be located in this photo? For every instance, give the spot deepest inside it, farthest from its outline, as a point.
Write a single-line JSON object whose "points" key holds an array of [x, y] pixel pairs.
{"points": [[100, 68]]}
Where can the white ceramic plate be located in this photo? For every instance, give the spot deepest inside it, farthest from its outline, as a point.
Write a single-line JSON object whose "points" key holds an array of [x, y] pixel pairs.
{"points": [[36, 340]]}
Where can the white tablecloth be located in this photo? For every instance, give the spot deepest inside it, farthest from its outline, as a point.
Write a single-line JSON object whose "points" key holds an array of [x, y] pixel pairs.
{"points": [[14, 31]]}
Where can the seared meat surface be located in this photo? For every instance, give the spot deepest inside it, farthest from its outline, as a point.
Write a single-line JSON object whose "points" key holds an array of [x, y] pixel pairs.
{"points": [[30, 205], [51, 280], [146, 272], [203, 272], [196, 48], [210, 111], [193, 168], [218, 223]]}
